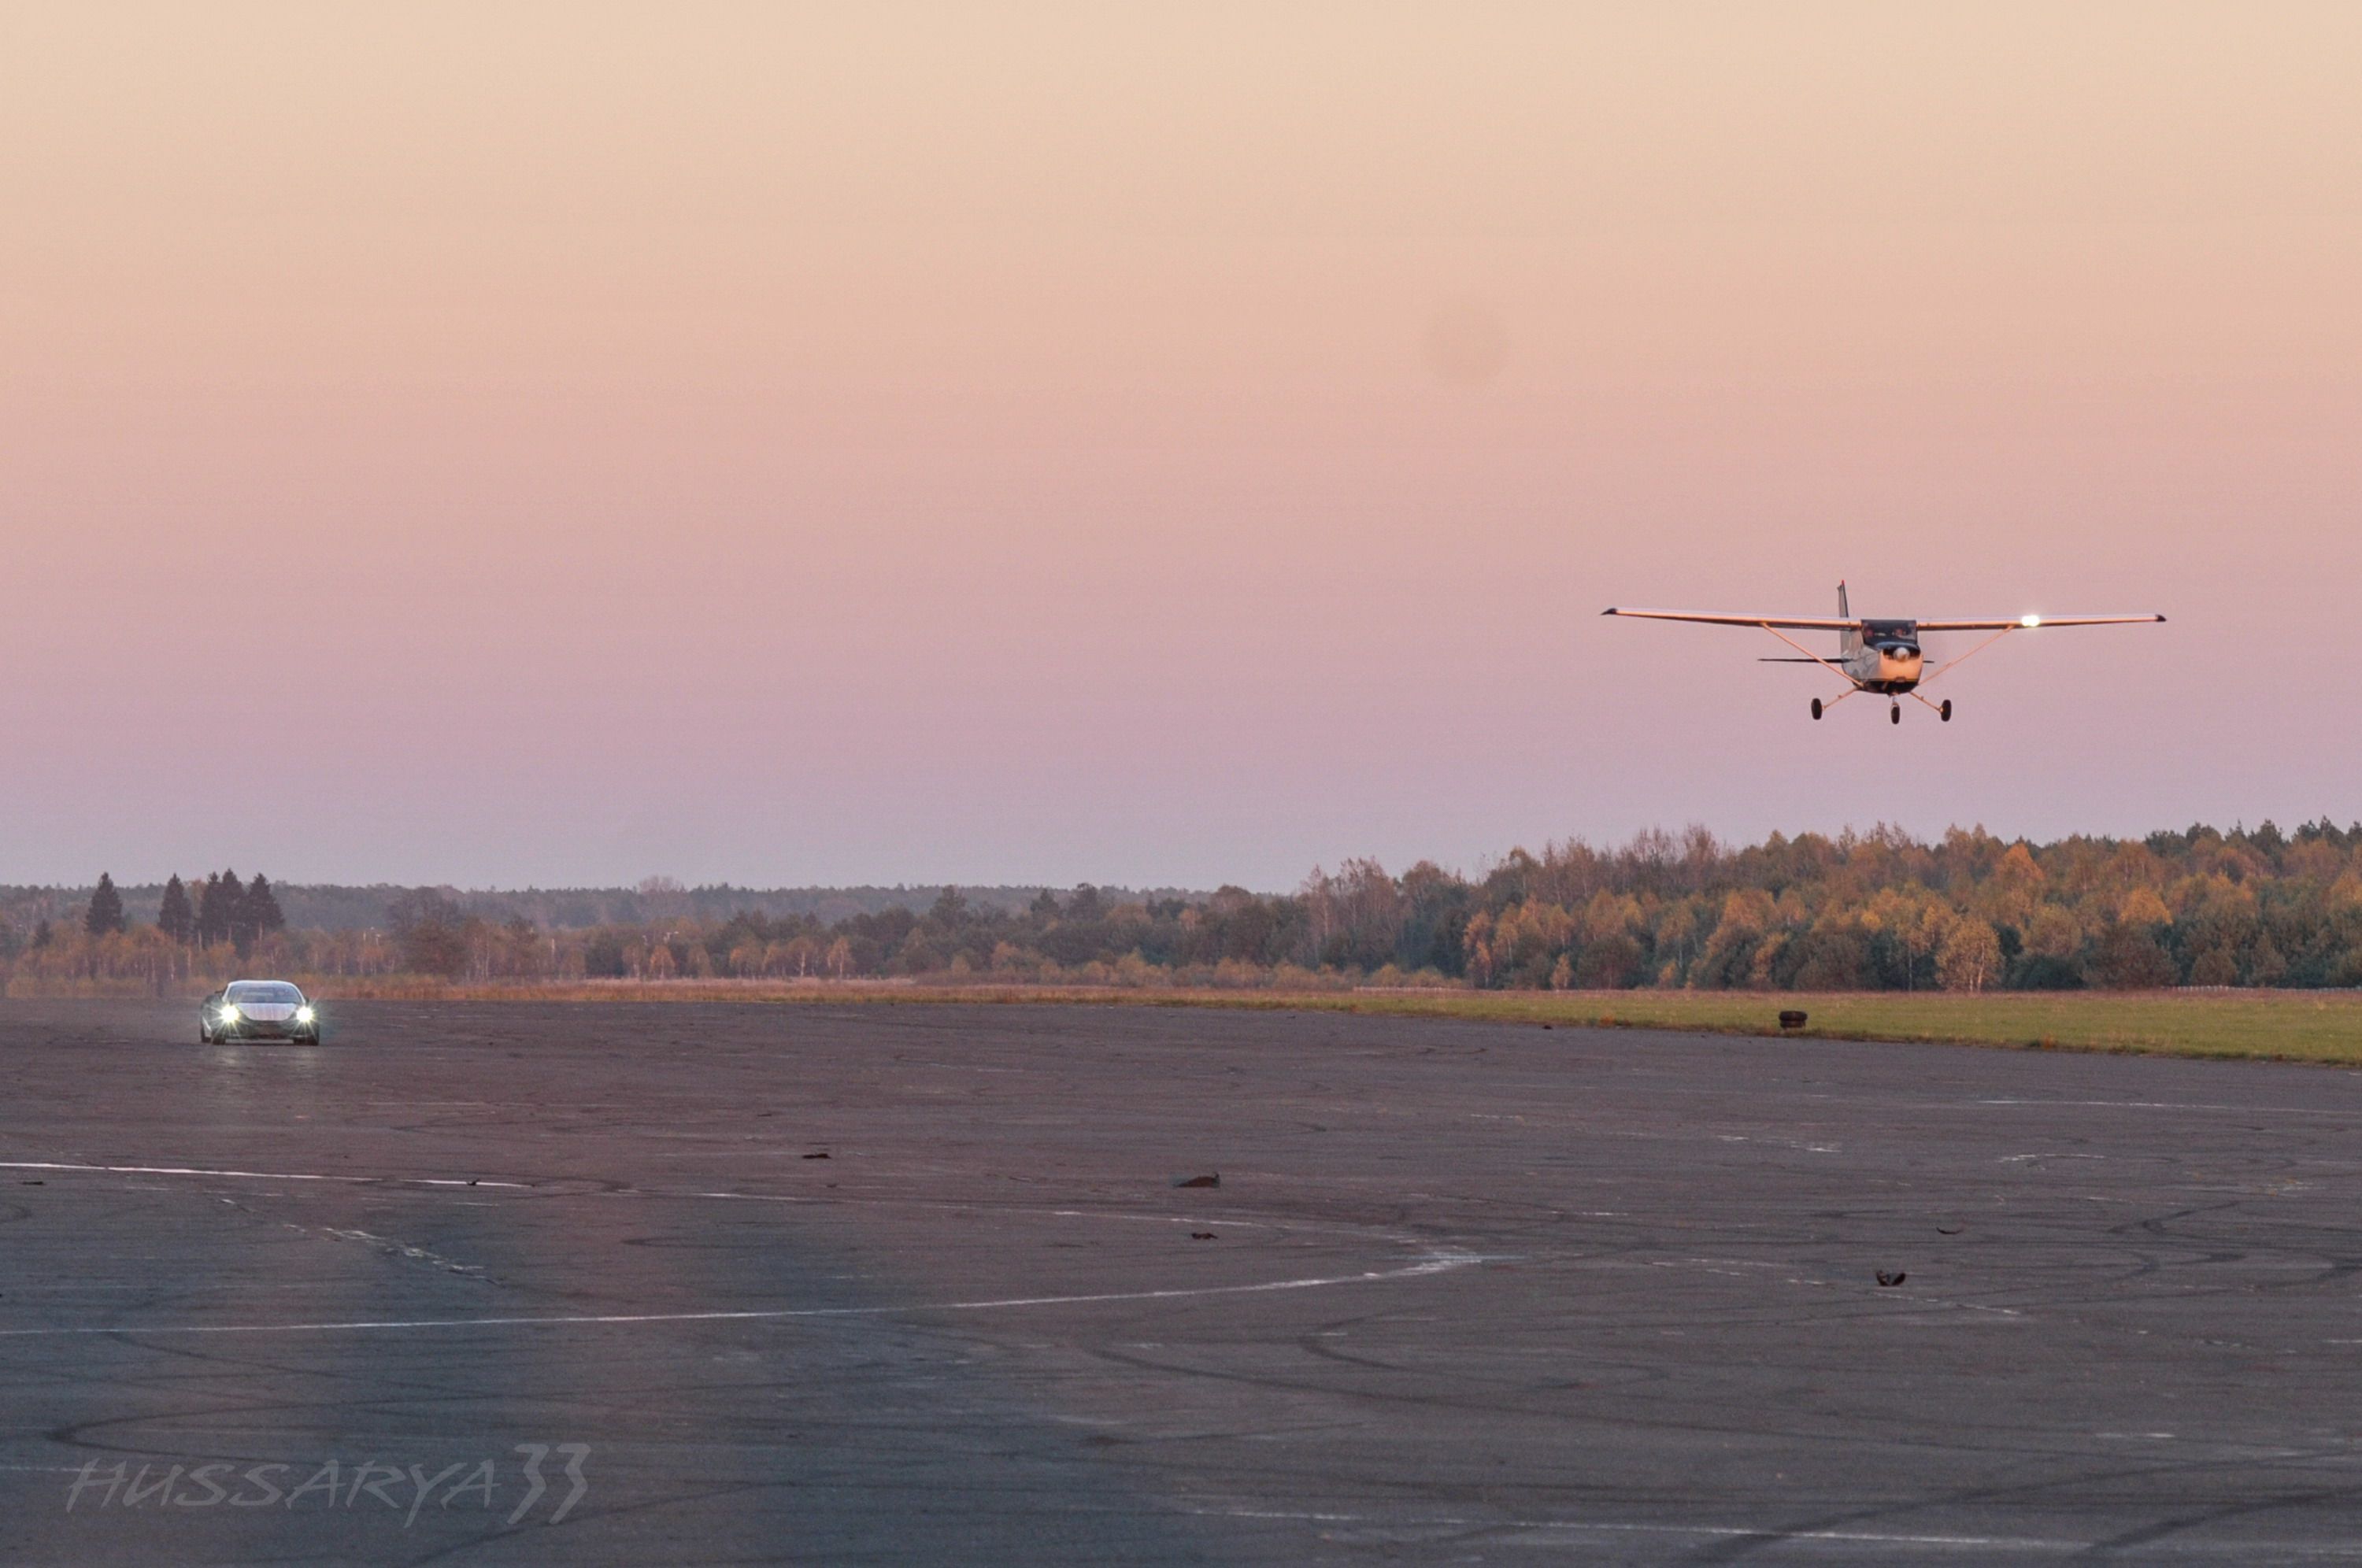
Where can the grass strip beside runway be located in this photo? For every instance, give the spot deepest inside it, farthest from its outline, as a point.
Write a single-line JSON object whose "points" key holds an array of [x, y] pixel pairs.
{"points": [[2304, 1026]]}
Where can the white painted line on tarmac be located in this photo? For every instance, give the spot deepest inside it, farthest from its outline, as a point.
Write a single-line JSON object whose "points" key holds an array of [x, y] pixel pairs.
{"points": [[252, 1176], [836, 1200], [1435, 1263], [1712, 1533]]}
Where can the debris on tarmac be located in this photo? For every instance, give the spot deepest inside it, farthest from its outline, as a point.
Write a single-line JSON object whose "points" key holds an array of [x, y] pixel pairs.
{"points": [[822, 1156], [1201, 1235], [1213, 1179], [1897, 1277]]}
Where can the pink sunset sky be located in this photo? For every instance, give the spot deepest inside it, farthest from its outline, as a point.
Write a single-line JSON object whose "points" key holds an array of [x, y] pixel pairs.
{"points": [[505, 444]]}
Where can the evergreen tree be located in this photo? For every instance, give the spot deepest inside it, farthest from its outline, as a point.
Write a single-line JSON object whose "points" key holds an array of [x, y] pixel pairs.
{"points": [[105, 917], [176, 919], [240, 918], [216, 906], [42, 935], [262, 913]]}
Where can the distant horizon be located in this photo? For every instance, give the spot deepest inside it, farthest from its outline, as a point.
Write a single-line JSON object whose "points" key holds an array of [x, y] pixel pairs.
{"points": [[935, 885]]}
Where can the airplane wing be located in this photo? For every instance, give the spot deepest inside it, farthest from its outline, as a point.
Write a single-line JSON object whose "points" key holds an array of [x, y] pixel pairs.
{"points": [[2032, 623], [1793, 623], [1845, 624]]}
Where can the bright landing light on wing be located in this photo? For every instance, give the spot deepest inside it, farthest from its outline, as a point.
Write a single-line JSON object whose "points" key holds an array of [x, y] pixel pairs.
{"points": [[2029, 622]]}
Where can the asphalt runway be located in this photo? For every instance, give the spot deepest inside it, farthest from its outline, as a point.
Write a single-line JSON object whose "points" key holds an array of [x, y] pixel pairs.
{"points": [[1465, 1293]]}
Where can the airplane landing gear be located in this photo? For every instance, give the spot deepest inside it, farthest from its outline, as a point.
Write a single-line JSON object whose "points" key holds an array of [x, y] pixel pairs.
{"points": [[1816, 707], [1895, 714], [1944, 711]]}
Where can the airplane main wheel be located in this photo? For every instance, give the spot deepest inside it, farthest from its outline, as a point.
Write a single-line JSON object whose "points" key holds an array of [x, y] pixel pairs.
{"points": [[1816, 707], [1945, 713], [1894, 714]]}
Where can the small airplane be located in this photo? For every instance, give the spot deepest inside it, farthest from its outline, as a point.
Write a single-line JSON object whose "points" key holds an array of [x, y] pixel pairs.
{"points": [[1881, 656]]}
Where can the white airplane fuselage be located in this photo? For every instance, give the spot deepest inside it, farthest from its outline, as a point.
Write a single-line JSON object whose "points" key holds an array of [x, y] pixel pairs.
{"points": [[1883, 656], [1886, 669]]}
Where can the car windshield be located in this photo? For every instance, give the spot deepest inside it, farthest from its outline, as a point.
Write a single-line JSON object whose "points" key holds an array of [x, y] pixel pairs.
{"points": [[263, 991]]}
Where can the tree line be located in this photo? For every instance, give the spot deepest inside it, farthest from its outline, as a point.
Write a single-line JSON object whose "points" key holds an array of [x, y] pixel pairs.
{"points": [[1879, 910], [225, 910]]}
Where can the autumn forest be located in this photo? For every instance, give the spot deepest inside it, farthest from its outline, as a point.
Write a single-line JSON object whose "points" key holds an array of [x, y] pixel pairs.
{"points": [[1876, 911]]}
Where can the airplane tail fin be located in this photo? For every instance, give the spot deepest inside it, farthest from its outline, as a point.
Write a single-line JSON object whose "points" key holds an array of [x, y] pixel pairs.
{"points": [[1848, 641]]}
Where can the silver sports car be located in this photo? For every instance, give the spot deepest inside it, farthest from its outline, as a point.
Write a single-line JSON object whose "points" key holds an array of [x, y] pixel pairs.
{"points": [[257, 1009]]}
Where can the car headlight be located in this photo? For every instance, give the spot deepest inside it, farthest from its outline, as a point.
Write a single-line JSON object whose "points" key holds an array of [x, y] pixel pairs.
{"points": [[304, 1014], [229, 1012]]}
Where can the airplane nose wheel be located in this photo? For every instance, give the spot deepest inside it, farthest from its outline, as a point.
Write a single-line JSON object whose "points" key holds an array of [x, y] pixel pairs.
{"points": [[1944, 711], [1816, 707], [1895, 714]]}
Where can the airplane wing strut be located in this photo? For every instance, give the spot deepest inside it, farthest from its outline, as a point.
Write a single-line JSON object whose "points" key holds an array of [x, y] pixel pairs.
{"points": [[1834, 669], [1951, 664]]}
